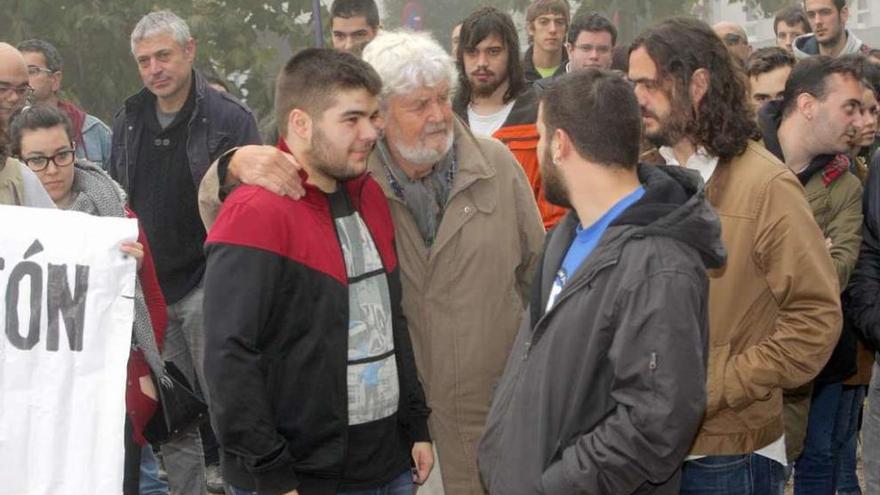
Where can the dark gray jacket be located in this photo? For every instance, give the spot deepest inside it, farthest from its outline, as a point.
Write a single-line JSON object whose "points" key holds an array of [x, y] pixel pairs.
{"points": [[218, 122], [604, 393]]}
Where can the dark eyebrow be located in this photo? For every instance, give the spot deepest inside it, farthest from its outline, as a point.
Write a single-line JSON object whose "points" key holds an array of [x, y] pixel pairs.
{"points": [[354, 113]]}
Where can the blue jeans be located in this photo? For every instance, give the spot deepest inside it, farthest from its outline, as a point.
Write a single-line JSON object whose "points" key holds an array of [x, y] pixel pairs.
{"points": [[150, 483], [816, 470], [846, 434], [747, 474], [402, 485]]}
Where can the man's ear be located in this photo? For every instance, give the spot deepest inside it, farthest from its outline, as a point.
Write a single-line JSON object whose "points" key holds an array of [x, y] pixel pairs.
{"points": [[56, 81], [299, 124], [807, 105], [561, 146], [699, 86]]}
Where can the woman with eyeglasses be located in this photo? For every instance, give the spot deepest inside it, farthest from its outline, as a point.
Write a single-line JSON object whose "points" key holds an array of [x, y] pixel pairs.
{"points": [[41, 140]]}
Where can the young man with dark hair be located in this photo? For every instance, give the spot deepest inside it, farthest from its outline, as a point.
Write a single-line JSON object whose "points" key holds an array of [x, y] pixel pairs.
{"points": [[830, 36], [494, 98], [91, 136], [309, 362], [788, 24], [353, 24], [768, 69], [547, 22], [772, 324], [590, 43], [595, 400], [811, 129]]}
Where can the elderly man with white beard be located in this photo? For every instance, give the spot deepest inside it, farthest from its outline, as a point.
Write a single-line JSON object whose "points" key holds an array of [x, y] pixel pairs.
{"points": [[467, 231]]}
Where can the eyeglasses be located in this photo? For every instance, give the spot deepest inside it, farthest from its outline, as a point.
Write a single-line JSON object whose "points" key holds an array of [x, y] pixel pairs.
{"points": [[33, 70], [63, 158], [732, 39], [22, 91]]}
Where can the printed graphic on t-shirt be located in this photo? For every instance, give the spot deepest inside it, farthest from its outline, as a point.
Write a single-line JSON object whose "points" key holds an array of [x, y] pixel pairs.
{"points": [[373, 388]]}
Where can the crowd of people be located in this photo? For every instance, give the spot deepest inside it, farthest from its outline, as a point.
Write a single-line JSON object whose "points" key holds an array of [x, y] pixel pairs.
{"points": [[580, 268]]}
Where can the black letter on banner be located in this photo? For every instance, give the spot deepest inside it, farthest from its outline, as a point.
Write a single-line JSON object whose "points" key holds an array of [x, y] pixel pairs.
{"points": [[32, 270], [72, 309]]}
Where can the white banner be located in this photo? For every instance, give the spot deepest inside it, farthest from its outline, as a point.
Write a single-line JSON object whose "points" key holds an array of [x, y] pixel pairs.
{"points": [[66, 306]]}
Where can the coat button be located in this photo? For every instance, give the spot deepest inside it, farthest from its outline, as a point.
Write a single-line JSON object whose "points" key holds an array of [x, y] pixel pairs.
{"points": [[467, 209]]}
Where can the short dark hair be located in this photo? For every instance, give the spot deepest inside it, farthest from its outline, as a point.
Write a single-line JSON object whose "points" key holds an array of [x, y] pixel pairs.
{"points": [[620, 58], [840, 4], [44, 48], [31, 118], [724, 120], [811, 76], [791, 16], [310, 78], [543, 7], [347, 9], [591, 22], [768, 59], [478, 26], [599, 111], [871, 76]]}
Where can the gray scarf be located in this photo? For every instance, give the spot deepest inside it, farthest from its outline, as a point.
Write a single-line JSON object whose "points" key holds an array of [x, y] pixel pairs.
{"points": [[425, 198], [97, 194]]}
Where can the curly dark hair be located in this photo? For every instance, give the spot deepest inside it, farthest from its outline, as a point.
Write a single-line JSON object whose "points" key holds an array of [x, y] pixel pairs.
{"points": [[724, 122]]}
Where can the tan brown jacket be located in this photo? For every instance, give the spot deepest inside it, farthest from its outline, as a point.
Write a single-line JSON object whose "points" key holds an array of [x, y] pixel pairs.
{"points": [[774, 310], [463, 298]]}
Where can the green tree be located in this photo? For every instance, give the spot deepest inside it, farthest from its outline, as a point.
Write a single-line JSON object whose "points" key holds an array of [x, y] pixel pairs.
{"points": [[233, 42]]}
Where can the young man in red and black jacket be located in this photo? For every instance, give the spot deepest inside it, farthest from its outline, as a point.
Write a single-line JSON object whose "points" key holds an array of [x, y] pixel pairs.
{"points": [[309, 362]]}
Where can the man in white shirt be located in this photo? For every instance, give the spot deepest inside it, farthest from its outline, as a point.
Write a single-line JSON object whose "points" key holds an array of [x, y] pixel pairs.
{"points": [[774, 311]]}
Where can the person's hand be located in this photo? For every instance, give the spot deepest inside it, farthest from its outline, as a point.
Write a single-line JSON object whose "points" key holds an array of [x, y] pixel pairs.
{"points": [[267, 167], [423, 458], [292, 493], [828, 243], [135, 250]]}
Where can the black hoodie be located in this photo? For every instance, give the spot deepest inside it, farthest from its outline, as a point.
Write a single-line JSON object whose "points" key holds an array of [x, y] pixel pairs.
{"points": [[604, 393]]}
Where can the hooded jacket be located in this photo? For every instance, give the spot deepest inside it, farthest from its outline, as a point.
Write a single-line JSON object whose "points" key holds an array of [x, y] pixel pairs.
{"points": [[520, 134], [834, 195], [806, 45], [603, 393]]}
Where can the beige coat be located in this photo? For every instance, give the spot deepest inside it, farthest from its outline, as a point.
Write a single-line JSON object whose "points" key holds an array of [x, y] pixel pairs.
{"points": [[464, 297]]}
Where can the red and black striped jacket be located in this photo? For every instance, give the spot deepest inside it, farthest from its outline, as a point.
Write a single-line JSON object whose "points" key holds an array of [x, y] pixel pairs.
{"points": [[277, 324]]}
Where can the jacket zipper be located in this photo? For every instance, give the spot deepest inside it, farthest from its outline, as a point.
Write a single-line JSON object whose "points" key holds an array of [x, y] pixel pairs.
{"points": [[537, 333]]}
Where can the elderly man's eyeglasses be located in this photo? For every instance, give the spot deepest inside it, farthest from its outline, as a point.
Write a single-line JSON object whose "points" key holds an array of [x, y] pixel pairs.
{"points": [[63, 158], [23, 91]]}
